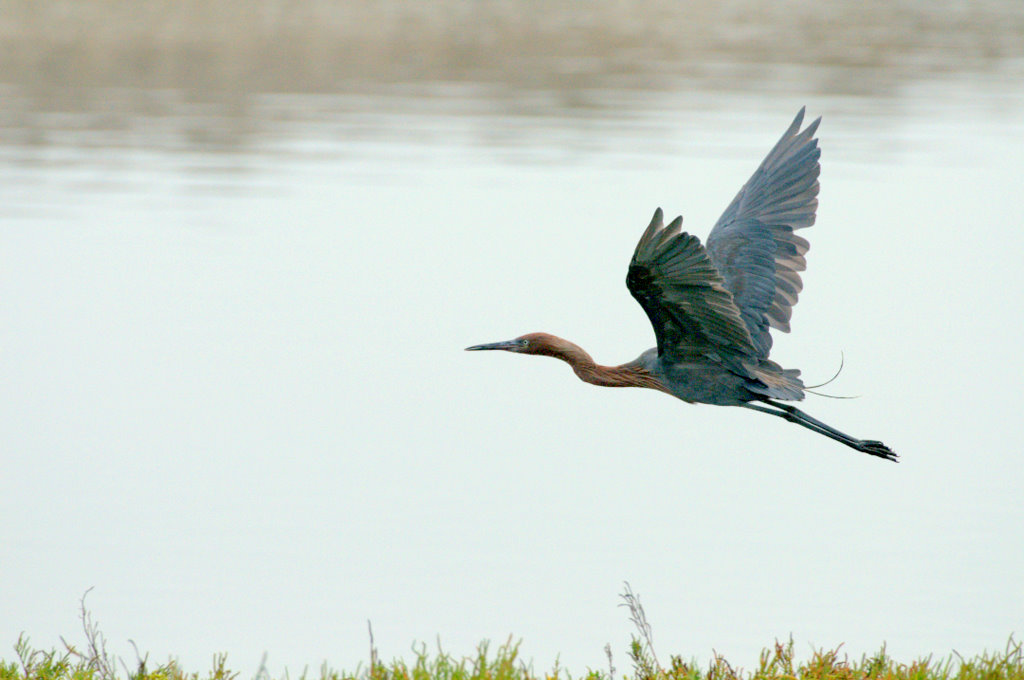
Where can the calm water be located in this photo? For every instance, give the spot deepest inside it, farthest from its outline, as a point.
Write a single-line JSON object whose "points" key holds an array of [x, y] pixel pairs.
{"points": [[242, 253]]}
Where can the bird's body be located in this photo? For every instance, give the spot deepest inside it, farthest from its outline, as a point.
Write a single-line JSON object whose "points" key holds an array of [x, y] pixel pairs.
{"points": [[712, 305]]}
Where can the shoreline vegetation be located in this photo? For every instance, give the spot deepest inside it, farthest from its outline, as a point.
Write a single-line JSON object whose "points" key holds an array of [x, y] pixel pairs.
{"points": [[56, 53], [312, 46], [218, 75], [92, 661]]}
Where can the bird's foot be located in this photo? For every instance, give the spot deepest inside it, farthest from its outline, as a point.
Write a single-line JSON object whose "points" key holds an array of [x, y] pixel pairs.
{"points": [[877, 448]]}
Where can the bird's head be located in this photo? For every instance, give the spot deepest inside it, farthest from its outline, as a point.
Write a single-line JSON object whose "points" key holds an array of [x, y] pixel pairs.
{"points": [[531, 343]]}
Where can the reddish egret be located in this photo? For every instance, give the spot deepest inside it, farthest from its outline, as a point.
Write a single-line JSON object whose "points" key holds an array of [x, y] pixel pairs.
{"points": [[711, 306]]}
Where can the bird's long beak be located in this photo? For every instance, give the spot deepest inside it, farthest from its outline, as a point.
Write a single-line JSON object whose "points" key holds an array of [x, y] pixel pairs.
{"points": [[507, 345]]}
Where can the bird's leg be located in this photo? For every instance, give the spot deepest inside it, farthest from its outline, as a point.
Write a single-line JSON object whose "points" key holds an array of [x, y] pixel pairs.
{"points": [[795, 415], [868, 446], [838, 436], [803, 416]]}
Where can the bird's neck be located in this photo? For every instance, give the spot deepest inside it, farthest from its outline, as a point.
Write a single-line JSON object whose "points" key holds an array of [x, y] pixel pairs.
{"points": [[589, 371]]}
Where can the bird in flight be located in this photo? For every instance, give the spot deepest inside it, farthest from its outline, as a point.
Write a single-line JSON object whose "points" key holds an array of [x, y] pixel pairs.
{"points": [[712, 305]]}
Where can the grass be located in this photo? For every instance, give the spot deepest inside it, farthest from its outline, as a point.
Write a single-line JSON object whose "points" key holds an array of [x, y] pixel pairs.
{"points": [[778, 662]]}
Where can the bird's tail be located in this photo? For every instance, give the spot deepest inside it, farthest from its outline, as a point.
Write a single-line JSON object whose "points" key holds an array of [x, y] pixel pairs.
{"points": [[771, 380]]}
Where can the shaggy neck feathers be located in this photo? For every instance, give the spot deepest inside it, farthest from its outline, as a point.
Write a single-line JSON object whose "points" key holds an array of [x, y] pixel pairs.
{"points": [[586, 369]]}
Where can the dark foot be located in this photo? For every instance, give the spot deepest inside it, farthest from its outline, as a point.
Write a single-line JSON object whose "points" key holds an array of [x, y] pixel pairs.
{"points": [[876, 448]]}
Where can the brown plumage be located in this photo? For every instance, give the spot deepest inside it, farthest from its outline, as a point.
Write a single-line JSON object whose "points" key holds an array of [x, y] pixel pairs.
{"points": [[583, 365], [711, 307]]}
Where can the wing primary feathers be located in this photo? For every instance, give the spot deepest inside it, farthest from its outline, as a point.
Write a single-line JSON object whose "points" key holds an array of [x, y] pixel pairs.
{"points": [[753, 245], [685, 298]]}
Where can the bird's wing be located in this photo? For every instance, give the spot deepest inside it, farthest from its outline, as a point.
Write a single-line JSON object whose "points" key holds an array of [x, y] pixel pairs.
{"points": [[683, 294], [753, 245]]}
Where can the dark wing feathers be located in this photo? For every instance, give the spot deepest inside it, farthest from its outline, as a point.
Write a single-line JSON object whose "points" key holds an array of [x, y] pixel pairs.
{"points": [[724, 298], [753, 245], [683, 294]]}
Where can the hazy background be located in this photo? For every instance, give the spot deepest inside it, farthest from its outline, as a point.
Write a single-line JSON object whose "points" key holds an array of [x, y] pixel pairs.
{"points": [[244, 244]]}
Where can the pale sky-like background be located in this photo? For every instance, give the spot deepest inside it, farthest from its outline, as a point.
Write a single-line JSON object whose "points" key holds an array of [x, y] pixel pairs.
{"points": [[236, 281]]}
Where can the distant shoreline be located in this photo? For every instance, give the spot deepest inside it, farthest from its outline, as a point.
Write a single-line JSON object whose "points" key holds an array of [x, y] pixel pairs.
{"points": [[306, 46]]}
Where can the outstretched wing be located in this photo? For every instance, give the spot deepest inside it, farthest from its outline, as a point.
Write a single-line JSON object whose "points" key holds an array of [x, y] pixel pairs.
{"points": [[683, 294], [753, 245]]}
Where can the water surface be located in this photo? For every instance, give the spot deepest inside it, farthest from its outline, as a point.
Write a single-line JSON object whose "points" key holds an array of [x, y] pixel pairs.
{"points": [[242, 252]]}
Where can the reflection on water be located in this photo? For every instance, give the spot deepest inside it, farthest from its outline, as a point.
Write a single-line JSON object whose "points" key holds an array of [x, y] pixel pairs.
{"points": [[224, 76]]}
